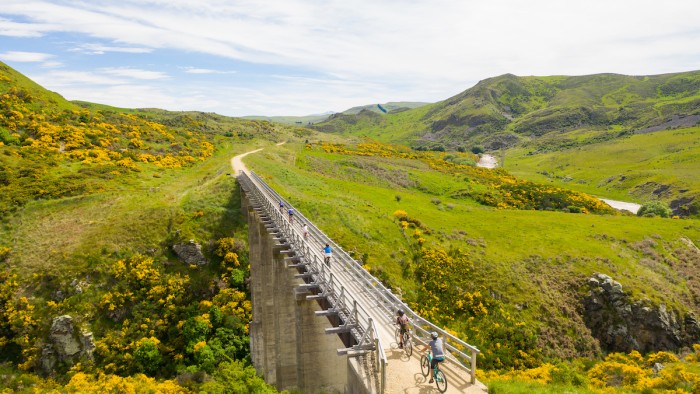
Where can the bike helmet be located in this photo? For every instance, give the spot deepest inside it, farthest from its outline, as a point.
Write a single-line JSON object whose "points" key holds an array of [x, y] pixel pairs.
{"points": [[434, 335], [400, 312]]}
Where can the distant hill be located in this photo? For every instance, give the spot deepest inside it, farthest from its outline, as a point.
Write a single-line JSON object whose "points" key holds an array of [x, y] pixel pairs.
{"points": [[507, 110], [391, 107]]}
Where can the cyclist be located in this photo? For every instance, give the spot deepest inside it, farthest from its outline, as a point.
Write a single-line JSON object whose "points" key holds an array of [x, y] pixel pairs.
{"points": [[438, 349], [402, 321], [306, 231], [291, 215], [327, 255], [281, 206]]}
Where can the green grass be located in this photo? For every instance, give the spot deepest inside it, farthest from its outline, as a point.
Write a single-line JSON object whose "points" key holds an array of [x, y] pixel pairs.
{"points": [[358, 212], [135, 215], [619, 169]]}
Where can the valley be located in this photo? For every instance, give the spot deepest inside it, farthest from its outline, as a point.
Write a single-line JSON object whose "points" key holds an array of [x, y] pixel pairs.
{"points": [[520, 259]]}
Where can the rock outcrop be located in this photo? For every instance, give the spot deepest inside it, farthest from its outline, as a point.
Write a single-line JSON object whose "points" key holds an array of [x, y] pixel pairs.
{"points": [[65, 345], [622, 325], [190, 253]]}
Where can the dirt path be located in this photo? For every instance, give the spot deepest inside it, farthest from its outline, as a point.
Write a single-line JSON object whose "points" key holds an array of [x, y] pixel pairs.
{"points": [[237, 161]]}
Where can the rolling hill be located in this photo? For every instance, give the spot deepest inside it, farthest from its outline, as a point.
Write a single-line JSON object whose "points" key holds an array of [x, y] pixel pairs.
{"points": [[538, 124]]}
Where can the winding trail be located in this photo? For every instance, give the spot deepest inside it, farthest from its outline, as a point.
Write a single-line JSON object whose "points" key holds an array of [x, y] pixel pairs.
{"points": [[237, 161]]}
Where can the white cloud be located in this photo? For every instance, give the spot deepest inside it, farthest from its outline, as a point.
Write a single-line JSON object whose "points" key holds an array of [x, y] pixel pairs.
{"points": [[24, 57], [51, 64], [194, 70], [135, 73], [62, 80], [99, 49], [399, 50], [13, 29]]}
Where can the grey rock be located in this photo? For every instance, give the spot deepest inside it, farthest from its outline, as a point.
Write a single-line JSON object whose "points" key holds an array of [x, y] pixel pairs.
{"points": [[657, 367], [190, 253], [623, 325], [64, 345], [63, 339]]}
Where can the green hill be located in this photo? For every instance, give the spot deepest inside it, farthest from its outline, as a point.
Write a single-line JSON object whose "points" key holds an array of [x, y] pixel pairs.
{"points": [[538, 124], [390, 107], [92, 200], [504, 110]]}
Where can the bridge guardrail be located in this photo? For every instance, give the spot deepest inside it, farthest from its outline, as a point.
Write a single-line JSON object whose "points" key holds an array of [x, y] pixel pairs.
{"points": [[385, 298], [356, 319]]}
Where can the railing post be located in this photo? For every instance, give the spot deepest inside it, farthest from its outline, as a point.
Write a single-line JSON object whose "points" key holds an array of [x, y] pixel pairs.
{"points": [[473, 367]]}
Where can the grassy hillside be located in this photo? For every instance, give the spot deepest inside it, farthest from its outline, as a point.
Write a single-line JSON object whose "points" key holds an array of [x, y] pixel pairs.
{"points": [[640, 167], [542, 126], [507, 280], [503, 110], [92, 200]]}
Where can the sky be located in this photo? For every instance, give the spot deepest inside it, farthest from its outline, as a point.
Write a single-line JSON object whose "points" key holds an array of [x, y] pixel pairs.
{"points": [[302, 57]]}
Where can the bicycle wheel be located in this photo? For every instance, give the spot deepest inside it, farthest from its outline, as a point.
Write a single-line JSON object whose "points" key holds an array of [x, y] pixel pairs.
{"points": [[407, 345], [441, 381], [397, 335], [424, 366]]}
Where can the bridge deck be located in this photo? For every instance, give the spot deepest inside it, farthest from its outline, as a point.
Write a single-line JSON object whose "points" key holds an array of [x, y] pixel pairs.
{"points": [[403, 374]]}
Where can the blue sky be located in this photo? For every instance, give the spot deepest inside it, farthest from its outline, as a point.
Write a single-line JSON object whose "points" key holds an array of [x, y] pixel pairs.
{"points": [[299, 57]]}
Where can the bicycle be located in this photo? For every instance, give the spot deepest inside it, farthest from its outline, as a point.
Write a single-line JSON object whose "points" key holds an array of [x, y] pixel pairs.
{"points": [[407, 345], [438, 376]]}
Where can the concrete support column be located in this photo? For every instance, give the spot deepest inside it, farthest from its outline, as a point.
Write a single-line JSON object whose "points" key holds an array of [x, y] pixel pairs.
{"points": [[321, 370], [285, 323]]}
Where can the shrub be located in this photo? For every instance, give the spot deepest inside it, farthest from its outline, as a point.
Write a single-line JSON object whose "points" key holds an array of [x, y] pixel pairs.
{"points": [[655, 208], [147, 355]]}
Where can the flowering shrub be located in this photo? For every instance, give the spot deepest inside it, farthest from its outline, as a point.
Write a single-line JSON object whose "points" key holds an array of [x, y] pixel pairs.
{"points": [[496, 187]]}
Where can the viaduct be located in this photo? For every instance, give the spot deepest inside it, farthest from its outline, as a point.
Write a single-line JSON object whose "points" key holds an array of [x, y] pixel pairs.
{"points": [[329, 329]]}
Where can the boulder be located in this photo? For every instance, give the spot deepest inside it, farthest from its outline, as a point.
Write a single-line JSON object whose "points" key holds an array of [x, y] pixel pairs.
{"points": [[65, 346], [622, 325], [190, 253]]}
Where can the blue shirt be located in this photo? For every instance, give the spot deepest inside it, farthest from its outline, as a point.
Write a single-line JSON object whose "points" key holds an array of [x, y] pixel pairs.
{"points": [[327, 249]]}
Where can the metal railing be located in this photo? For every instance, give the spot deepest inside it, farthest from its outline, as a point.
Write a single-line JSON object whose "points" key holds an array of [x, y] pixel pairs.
{"points": [[319, 278], [347, 267]]}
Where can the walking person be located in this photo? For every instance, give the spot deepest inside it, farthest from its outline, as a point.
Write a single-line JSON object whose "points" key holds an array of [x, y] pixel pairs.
{"points": [[291, 215], [327, 255], [281, 206], [305, 229]]}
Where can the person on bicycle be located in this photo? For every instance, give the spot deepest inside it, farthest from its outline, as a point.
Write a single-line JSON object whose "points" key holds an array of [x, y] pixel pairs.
{"points": [[291, 215], [305, 229], [438, 348], [327, 255], [402, 321], [281, 206]]}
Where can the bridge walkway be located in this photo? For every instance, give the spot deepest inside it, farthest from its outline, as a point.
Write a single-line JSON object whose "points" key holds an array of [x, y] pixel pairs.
{"points": [[364, 304]]}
